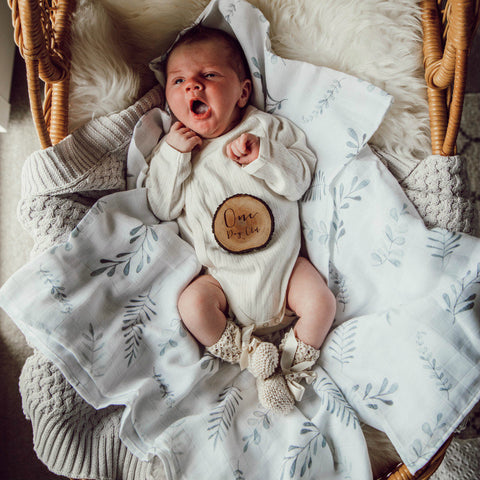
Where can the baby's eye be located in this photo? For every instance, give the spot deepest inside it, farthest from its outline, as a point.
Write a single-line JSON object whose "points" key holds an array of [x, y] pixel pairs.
{"points": [[177, 81], [209, 75]]}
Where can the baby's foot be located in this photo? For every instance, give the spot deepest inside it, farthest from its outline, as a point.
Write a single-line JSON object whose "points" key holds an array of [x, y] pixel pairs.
{"points": [[263, 360], [274, 394]]}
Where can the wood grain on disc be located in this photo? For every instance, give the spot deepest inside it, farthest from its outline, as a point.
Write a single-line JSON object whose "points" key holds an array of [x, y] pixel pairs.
{"points": [[243, 223]]}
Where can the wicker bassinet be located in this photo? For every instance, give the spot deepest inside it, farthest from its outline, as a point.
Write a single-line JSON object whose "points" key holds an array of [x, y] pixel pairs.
{"points": [[42, 35]]}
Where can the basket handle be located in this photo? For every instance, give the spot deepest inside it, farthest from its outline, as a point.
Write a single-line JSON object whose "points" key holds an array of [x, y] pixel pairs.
{"points": [[446, 67], [42, 35]]}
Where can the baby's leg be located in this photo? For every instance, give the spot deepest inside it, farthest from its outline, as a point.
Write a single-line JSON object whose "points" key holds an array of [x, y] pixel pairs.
{"points": [[202, 306], [310, 298]]}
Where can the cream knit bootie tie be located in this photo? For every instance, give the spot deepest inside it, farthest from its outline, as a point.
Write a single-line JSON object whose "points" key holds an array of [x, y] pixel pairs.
{"points": [[260, 358], [296, 363]]}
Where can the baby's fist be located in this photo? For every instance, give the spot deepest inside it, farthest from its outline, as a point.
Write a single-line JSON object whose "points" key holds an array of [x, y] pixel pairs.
{"points": [[182, 138], [244, 149]]}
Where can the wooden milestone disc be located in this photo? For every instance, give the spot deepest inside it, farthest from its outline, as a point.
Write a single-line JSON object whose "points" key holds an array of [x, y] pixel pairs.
{"points": [[243, 223]]}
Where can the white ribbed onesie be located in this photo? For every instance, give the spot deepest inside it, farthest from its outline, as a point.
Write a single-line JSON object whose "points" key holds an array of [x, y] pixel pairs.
{"points": [[190, 187]]}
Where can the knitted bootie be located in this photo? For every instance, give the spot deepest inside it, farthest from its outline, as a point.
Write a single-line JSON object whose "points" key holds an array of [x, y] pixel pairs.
{"points": [[296, 362], [274, 394], [260, 358]]}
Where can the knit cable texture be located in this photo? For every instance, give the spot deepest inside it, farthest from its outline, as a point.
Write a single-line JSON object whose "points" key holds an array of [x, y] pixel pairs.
{"points": [[439, 189], [59, 185]]}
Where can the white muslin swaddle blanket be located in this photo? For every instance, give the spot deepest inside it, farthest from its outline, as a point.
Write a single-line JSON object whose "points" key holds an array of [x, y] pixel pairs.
{"points": [[404, 353]]}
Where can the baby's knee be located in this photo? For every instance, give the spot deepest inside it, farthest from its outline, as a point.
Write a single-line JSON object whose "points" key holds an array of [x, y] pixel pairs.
{"points": [[200, 298]]}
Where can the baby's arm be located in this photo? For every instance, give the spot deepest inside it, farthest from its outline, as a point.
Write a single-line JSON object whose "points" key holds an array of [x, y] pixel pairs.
{"points": [[280, 157], [169, 167]]}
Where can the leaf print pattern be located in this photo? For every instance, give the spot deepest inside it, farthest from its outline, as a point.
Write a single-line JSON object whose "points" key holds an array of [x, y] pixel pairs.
{"points": [[418, 448], [391, 252], [325, 102], [230, 12], [338, 285], [443, 243], [137, 313], [259, 419], [222, 416], [342, 344], [210, 363], [431, 364], [142, 236], [165, 392], [172, 335], [317, 229], [459, 300], [302, 455], [272, 105], [57, 291], [373, 398], [342, 199], [356, 143], [334, 402], [318, 188], [93, 351]]}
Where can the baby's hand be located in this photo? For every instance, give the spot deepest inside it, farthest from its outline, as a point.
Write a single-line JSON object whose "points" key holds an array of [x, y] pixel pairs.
{"points": [[182, 138], [244, 149]]}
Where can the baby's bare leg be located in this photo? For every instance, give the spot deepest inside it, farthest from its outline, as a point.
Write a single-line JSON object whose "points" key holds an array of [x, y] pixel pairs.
{"points": [[202, 306], [310, 298]]}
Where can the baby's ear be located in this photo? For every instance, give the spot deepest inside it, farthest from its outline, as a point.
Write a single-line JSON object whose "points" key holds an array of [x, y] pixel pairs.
{"points": [[246, 91]]}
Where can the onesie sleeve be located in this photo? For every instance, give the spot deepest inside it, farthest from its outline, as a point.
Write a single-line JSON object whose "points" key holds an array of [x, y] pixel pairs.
{"points": [[284, 162], [168, 171]]}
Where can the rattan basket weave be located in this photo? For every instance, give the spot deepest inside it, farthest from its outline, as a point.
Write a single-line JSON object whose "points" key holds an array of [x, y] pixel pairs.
{"points": [[42, 35]]}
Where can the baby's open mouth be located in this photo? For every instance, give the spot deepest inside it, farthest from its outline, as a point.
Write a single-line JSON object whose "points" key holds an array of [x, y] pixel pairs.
{"points": [[198, 107]]}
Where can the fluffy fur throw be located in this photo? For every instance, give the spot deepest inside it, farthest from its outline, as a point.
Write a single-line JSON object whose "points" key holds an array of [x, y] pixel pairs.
{"points": [[375, 40]]}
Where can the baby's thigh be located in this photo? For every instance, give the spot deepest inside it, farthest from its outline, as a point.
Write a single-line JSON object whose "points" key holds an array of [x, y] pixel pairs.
{"points": [[306, 286], [202, 294]]}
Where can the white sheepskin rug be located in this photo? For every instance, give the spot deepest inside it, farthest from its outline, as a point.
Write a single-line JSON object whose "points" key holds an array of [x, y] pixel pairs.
{"points": [[375, 40]]}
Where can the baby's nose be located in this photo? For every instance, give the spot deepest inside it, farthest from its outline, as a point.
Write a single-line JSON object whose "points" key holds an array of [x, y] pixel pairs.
{"points": [[193, 84]]}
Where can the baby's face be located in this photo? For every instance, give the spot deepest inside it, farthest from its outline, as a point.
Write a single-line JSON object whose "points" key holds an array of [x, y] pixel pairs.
{"points": [[203, 90]]}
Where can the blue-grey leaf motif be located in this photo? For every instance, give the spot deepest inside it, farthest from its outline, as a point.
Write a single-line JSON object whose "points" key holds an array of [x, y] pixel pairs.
{"points": [[317, 189], [210, 363], [221, 417], [419, 447], [230, 12], [259, 421], [325, 102], [171, 336], [165, 392], [394, 240], [300, 457], [138, 312], [57, 291], [342, 199], [142, 238], [272, 104], [355, 144], [315, 230], [431, 364], [443, 243], [92, 352], [461, 298], [373, 397], [95, 211], [334, 402], [342, 344], [238, 474], [338, 285]]}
